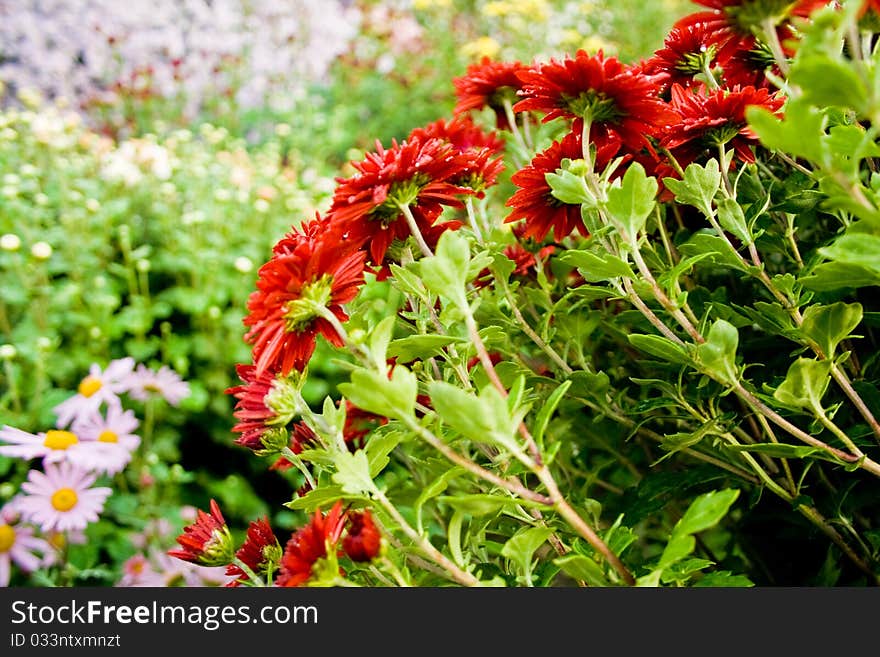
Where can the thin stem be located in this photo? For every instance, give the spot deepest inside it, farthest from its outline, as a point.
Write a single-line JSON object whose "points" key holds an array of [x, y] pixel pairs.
{"points": [[578, 523], [414, 229], [472, 219], [636, 300], [459, 575]]}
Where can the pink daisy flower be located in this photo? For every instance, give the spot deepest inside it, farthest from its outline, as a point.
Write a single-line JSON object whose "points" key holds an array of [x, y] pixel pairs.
{"points": [[53, 446], [145, 383], [111, 437], [99, 386], [139, 571], [60, 499], [18, 545]]}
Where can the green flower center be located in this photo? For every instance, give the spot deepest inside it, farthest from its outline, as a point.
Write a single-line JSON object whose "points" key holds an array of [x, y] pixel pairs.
{"points": [[400, 193], [593, 106], [752, 13], [314, 297], [696, 62]]}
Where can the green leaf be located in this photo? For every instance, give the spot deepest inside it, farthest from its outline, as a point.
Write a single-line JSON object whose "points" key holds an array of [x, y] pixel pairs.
{"points": [[698, 186], [805, 384], [596, 267], [723, 578], [582, 568], [779, 450], [421, 347], [800, 133], [379, 339], [678, 547], [838, 275], [733, 220], [445, 273], [353, 473], [378, 447], [719, 251], [826, 82], [522, 546], [481, 504], [546, 412], [718, 354], [483, 419], [828, 325], [408, 282], [316, 498], [393, 398], [660, 347], [631, 202], [862, 249], [706, 511], [568, 187]]}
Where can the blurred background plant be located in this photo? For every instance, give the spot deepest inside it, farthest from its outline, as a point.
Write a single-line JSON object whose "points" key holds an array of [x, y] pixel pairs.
{"points": [[152, 153]]}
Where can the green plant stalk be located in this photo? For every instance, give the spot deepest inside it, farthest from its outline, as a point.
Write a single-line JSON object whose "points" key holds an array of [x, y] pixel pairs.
{"points": [[414, 229], [459, 575]]}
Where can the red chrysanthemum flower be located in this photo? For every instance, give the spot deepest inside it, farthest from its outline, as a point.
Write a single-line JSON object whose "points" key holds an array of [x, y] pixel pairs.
{"points": [[363, 540], [259, 551], [259, 408], [477, 149], [489, 84], [206, 542], [293, 290], [534, 202], [735, 23], [709, 120], [307, 231], [869, 5], [687, 51], [309, 544], [368, 207], [621, 102]]}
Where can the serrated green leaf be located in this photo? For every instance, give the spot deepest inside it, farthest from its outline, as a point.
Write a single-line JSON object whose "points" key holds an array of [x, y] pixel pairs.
{"points": [[839, 275], [483, 418], [826, 82], [733, 220], [393, 398], [317, 498], [568, 187], [353, 473], [630, 203], [723, 578], [445, 273], [800, 133], [378, 447], [698, 186]]}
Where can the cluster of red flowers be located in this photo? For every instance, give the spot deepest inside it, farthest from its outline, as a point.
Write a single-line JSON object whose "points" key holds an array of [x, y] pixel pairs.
{"points": [[208, 542], [686, 103]]}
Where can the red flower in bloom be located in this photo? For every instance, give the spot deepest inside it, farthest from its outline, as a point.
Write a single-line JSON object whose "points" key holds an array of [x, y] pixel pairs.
{"points": [[687, 51], [489, 84], [307, 231], [207, 541], [534, 202], [254, 409], [309, 544], [259, 550], [368, 207], [735, 22], [479, 166], [292, 289], [362, 540], [714, 119], [869, 5], [621, 102]]}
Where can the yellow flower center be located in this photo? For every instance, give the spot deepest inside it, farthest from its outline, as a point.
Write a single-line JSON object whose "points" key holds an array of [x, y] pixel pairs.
{"points": [[89, 386], [56, 439], [108, 436], [57, 540], [64, 499], [7, 538]]}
